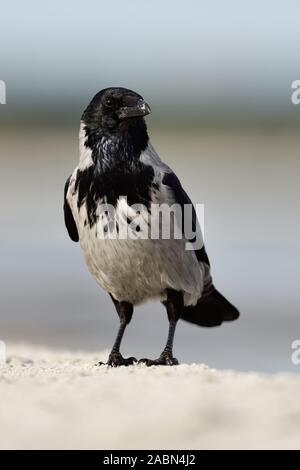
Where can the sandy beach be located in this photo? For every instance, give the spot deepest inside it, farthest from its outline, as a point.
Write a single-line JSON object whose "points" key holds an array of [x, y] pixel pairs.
{"points": [[61, 400]]}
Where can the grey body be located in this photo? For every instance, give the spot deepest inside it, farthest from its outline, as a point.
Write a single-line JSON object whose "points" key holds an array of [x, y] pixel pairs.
{"points": [[138, 270]]}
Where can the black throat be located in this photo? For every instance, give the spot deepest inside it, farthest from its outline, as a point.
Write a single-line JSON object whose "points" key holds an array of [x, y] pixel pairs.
{"points": [[123, 143], [116, 170]]}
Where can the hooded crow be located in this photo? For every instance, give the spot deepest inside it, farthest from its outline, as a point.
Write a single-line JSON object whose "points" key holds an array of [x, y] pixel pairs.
{"points": [[120, 181]]}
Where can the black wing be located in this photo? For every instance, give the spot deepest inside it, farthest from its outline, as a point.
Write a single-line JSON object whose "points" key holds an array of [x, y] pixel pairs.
{"points": [[212, 308], [181, 197], [69, 219]]}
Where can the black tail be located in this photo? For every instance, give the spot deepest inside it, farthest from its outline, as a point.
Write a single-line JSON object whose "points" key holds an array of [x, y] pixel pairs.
{"points": [[211, 310]]}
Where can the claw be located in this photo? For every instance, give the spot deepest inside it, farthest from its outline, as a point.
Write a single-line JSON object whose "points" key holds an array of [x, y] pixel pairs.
{"points": [[116, 360], [163, 360]]}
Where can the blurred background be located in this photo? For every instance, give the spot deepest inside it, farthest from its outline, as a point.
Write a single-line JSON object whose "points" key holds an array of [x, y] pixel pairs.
{"points": [[218, 78]]}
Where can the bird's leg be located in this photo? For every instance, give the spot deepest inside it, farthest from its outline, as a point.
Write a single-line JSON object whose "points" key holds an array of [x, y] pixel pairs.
{"points": [[125, 310], [174, 306], [167, 354]]}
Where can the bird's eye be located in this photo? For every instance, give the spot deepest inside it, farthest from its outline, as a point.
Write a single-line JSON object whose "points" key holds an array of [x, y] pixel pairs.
{"points": [[108, 103]]}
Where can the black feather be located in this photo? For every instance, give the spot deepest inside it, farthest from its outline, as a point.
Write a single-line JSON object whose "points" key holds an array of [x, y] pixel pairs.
{"points": [[211, 310], [117, 171], [69, 219], [181, 197]]}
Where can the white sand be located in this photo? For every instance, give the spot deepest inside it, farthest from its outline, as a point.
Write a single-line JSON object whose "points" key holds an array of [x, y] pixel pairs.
{"points": [[55, 399]]}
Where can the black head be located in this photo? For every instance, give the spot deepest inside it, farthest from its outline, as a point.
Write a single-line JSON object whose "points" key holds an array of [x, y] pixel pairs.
{"points": [[114, 109]]}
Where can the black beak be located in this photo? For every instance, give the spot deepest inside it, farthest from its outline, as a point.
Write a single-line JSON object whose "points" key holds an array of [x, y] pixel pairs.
{"points": [[137, 109]]}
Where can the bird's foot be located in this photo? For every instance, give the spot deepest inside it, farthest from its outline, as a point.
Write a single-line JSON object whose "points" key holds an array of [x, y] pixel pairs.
{"points": [[116, 359], [165, 359]]}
